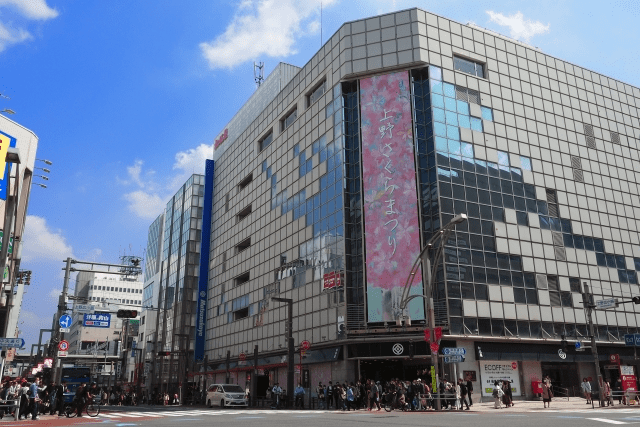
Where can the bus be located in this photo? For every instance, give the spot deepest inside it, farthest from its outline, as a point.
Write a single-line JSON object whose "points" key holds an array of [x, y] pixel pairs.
{"points": [[74, 376]]}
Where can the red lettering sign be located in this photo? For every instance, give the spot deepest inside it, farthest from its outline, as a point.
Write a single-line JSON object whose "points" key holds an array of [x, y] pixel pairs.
{"points": [[427, 335], [222, 138], [329, 280]]}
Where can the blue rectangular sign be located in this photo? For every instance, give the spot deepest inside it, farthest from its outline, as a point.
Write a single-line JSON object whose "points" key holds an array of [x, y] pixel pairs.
{"points": [[3, 181], [203, 280], [629, 340], [637, 337], [97, 320]]}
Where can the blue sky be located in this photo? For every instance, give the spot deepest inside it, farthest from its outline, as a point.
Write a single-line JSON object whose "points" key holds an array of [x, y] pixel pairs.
{"points": [[128, 97]]}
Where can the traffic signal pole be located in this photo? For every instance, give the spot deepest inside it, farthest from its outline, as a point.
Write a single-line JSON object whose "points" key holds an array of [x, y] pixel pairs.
{"points": [[587, 301]]}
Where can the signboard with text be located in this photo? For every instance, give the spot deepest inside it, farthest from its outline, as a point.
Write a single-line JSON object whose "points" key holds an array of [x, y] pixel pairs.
{"points": [[492, 371], [97, 320]]}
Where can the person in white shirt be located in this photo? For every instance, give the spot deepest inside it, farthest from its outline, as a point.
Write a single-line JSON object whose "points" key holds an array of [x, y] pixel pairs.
{"points": [[276, 391]]}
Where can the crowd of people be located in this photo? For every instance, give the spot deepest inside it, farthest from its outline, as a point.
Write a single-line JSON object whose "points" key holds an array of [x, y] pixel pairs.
{"points": [[372, 395]]}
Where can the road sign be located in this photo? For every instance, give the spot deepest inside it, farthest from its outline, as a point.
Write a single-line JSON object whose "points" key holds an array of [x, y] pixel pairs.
{"points": [[65, 321], [454, 351], [84, 308], [63, 345], [453, 359], [305, 345], [578, 345], [630, 340], [434, 347], [62, 354], [12, 342], [97, 320], [242, 357], [637, 337], [65, 330], [603, 304]]}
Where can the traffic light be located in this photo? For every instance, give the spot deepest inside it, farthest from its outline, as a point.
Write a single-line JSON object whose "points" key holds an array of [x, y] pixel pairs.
{"points": [[636, 300], [163, 353], [127, 314]]}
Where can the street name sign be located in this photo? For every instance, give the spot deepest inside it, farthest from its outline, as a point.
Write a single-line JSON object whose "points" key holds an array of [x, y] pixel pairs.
{"points": [[12, 342], [85, 308], [453, 359], [454, 351], [603, 304]]}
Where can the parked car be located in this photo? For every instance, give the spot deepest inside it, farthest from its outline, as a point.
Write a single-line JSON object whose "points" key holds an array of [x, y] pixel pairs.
{"points": [[224, 395]]}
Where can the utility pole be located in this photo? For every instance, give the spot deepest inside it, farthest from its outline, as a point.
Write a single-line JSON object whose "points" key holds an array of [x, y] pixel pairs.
{"points": [[62, 307], [587, 301], [290, 346]]}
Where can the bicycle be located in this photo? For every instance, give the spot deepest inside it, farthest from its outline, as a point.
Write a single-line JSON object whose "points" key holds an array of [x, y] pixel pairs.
{"points": [[92, 409]]}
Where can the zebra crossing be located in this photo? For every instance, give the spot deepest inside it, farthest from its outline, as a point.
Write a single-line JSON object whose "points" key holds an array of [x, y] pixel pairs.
{"points": [[210, 412]]}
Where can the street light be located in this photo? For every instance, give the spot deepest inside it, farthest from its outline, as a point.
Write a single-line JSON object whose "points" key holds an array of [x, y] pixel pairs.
{"points": [[430, 270], [290, 346], [43, 169], [46, 178], [38, 184], [45, 161]]}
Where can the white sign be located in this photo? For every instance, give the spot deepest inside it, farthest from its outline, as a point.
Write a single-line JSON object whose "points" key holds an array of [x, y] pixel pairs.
{"points": [[490, 372], [454, 351], [626, 370], [62, 354], [606, 303], [12, 342], [85, 308], [65, 330]]}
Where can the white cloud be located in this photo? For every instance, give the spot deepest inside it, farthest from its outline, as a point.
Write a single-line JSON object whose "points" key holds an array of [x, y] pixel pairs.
{"points": [[520, 29], [10, 36], [41, 242], [32, 9], [54, 294], [262, 28], [145, 205], [192, 160], [31, 320]]}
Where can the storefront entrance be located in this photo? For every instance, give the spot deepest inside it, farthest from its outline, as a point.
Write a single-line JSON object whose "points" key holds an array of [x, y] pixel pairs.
{"points": [[563, 375], [383, 370]]}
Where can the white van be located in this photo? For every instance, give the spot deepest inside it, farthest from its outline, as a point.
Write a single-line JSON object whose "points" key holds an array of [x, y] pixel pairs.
{"points": [[225, 395]]}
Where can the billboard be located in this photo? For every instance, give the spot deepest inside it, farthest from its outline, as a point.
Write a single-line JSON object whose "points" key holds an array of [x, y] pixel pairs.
{"points": [[97, 320], [392, 228], [490, 372], [6, 141]]}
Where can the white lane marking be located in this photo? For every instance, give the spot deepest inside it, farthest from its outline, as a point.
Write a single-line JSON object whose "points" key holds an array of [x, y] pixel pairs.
{"points": [[605, 420], [147, 414], [130, 414], [109, 415]]}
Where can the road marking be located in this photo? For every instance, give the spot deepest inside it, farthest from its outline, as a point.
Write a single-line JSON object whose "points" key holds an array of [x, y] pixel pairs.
{"points": [[605, 420], [147, 414], [109, 415], [130, 414]]}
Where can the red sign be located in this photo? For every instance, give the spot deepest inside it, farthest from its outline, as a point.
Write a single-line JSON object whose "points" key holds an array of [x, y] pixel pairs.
{"points": [[305, 345], [629, 382], [438, 332], [427, 335], [434, 347], [222, 138], [514, 365], [332, 280], [242, 357], [63, 345], [614, 358]]}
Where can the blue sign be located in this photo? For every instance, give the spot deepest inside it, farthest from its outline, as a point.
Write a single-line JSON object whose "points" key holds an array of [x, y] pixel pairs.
{"points": [[97, 320], [629, 340], [454, 351], [578, 345], [453, 359], [203, 281], [65, 321], [637, 337], [3, 181], [12, 342]]}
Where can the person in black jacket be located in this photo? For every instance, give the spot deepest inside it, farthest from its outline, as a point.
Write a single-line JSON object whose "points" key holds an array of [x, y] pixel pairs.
{"points": [[60, 390], [469, 389]]}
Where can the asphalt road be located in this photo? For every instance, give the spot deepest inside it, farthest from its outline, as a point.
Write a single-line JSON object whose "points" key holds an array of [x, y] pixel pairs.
{"points": [[159, 416]]}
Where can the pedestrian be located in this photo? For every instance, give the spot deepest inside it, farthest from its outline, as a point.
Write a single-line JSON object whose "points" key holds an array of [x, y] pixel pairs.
{"points": [[330, 395], [276, 391], [547, 393], [351, 397], [60, 390], [497, 395], [298, 395], [34, 398], [607, 393], [375, 395], [464, 393], [508, 396], [320, 394], [617, 388], [586, 389], [469, 389]]}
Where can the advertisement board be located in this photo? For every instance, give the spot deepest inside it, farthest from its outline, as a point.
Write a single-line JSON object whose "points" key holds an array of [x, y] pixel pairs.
{"points": [[4, 170], [490, 372], [97, 320], [392, 228]]}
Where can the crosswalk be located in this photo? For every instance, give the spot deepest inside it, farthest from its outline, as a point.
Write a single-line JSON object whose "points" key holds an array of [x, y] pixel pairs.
{"points": [[140, 414]]}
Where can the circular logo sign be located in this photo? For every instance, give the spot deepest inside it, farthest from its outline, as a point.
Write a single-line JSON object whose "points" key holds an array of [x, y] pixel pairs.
{"points": [[562, 354], [514, 365], [398, 349], [63, 346], [305, 345], [243, 357], [203, 294]]}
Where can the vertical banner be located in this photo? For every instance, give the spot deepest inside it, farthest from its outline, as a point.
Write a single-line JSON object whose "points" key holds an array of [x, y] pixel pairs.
{"points": [[392, 230], [203, 279], [6, 141]]}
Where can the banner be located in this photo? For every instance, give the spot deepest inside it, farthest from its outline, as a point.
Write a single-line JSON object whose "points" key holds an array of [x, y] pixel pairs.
{"points": [[490, 372], [203, 279], [6, 141], [97, 320], [392, 228]]}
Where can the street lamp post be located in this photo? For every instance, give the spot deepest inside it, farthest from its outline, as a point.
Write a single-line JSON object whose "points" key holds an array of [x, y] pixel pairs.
{"points": [[430, 270], [290, 345]]}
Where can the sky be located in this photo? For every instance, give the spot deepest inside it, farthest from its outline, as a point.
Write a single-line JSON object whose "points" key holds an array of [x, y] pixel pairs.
{"points": [[127, 98]]}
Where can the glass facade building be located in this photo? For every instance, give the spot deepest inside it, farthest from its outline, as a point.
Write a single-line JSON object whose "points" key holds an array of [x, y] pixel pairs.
{"points": [[540, 154]]}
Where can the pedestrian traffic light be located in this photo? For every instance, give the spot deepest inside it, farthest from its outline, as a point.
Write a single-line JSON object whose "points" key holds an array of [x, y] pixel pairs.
{"points": [[127, 314], [163, 353], [636, 300]]}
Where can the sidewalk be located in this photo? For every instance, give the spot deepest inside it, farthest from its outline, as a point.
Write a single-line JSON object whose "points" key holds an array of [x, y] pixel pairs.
{"points": [[557, 404]]}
